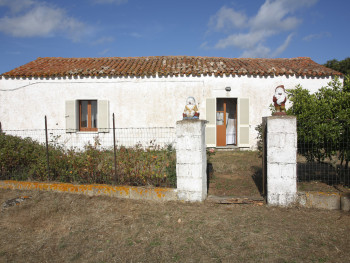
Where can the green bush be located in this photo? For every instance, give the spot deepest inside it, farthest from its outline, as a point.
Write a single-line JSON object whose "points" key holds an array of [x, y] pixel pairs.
{"points": [[25, 159], [139, 167], [323, 121], [20, 158]]}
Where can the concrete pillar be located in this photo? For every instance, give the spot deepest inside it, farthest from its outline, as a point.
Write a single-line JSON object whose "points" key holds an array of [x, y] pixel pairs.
{"points": [[281, 160], [191, 160]]}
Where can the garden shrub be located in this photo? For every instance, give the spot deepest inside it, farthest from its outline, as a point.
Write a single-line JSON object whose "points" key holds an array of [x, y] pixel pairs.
{"points": [[25, 159]]}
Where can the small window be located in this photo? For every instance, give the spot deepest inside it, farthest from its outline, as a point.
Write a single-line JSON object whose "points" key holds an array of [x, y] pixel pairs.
{"points": [[88, 115]]}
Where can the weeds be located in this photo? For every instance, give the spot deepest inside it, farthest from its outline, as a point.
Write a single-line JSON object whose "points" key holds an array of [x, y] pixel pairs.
{"points": [[25, 159], [210, 152]]}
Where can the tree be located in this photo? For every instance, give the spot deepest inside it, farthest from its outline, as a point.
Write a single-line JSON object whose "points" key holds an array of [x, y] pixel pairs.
{"points": [[323, 121], [342, 66]]}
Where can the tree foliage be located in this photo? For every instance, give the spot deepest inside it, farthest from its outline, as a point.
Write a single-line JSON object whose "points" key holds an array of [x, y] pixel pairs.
{"points": [[342, 66], [323, 121]]}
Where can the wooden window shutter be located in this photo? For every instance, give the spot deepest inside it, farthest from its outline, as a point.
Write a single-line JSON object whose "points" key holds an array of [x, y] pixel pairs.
{"points": [[210, 129], [72, 117], [103, 115], [243, 122]]}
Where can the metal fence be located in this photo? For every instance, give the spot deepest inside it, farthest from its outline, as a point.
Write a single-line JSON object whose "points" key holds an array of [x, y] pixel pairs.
{"points": [[324, 152], [136, 156], [128, 137]]}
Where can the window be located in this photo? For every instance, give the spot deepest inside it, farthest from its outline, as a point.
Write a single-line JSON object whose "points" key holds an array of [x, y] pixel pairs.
{"points": [[88, 115]]}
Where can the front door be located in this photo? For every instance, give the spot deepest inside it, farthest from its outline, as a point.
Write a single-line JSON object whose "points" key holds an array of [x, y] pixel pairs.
{"points": [[226, 121]]}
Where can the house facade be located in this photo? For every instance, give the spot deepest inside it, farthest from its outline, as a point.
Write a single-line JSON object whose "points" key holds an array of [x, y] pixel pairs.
{"points": [[79, 95]]}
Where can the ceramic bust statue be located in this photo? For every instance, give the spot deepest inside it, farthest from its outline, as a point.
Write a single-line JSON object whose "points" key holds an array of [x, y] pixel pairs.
{"points": [[279, 100], [191, 109]]}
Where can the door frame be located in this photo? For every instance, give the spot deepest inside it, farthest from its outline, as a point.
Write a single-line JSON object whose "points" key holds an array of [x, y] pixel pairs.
{"points": [[225, 116]]}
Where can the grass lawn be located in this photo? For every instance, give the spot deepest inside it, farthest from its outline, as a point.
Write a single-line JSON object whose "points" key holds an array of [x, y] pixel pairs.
{"points": [[239, 173], [236, 173], [59, 227]]}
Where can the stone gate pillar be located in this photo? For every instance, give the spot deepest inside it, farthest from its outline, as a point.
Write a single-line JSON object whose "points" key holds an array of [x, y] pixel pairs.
{"points": [[281, 160], [191, 160]]}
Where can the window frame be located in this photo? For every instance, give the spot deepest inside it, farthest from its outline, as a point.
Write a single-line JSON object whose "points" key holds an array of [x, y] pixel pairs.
{"points": [[89, 128]]}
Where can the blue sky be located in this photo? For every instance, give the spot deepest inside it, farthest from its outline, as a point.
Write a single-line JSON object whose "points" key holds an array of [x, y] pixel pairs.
{"points": [[130, 28]]}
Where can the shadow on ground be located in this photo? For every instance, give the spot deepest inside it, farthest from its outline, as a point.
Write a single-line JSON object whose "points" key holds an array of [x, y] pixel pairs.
{"points": [[258, 179]]}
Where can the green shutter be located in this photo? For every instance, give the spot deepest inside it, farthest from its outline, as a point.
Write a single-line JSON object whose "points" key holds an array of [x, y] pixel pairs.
{"points": [[243, 122], [71, 116], [103, 115], [210, 129]]}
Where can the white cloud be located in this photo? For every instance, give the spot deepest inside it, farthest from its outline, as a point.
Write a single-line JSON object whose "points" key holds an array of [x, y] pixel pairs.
{"points": [[16, 5], [103, 40], [104, 52], [118, 2], [227, 18], [251, 33], [272, 15], [283, 47], [317, 36], [40, 20], [204, 45], [293, 5], [259, 51], [242, 41]]}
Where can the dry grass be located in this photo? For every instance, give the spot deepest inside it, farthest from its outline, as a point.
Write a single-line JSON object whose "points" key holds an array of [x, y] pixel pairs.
{"points": [[236, 173], [317, 186], [239, 173], [52, 227]]}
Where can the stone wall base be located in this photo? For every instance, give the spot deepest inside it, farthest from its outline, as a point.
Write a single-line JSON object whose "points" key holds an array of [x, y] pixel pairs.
{"points": [[127, 192], [324, 200]]}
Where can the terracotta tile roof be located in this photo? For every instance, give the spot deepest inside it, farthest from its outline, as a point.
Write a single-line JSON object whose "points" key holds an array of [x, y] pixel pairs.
{"points": [[169, 66]]}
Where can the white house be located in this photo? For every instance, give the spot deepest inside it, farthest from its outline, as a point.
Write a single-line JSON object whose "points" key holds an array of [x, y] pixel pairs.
{"points": [[79, 95]]}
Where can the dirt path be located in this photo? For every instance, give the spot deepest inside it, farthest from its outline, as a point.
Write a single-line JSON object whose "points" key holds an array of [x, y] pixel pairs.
{"points": [[240, 174], [235, 184], [54, 227], [236, 174]]}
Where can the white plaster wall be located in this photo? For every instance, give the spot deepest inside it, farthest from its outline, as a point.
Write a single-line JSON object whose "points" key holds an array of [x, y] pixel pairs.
{"points": [[136, 102], [281, 161], [191, 160]]}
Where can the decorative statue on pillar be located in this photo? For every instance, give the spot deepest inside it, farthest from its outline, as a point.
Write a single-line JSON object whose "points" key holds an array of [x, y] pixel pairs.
{"points": [[279, 100], [191, 109]]}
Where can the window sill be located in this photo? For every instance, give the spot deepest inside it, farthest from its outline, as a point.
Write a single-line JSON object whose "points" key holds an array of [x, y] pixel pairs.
{"points": [[87, 132]]}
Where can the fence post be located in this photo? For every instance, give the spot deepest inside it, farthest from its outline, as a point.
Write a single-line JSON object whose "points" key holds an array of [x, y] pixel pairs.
{"points": [[0, 127], [281, 160], [191, 160], [47, 150], [115, 151]]}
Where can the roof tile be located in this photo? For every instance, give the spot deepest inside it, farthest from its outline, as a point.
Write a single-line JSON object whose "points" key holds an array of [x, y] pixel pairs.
{"points": [[169, 66]]}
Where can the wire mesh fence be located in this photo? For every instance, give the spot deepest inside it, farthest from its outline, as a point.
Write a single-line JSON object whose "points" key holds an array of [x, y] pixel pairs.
{"points": [[324, 152], [133, 156], [128, 137]]}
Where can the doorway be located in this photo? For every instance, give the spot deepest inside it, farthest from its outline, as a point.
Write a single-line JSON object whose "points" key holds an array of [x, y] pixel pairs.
{"points": [[226, 121]]}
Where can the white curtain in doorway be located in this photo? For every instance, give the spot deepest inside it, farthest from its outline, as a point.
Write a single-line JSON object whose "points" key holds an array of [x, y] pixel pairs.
{"points": [[230, 129]]}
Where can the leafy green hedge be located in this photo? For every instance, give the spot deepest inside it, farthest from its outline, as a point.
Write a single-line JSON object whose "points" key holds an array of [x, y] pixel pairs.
{"points": [[25, 159], [323, 121]]}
